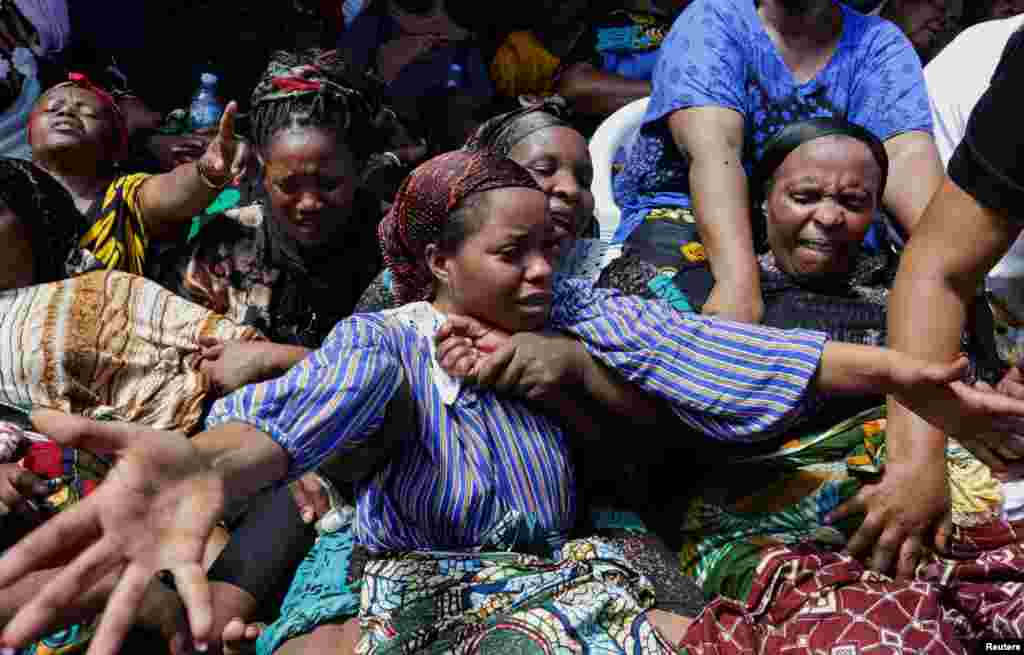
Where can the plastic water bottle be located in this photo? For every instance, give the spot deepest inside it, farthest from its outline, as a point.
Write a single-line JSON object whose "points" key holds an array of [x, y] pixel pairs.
{"points": [[206, 108], [454, 76]]}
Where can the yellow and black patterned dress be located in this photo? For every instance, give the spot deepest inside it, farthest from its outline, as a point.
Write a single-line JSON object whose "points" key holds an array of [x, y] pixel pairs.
{"points": [[116, 237]]}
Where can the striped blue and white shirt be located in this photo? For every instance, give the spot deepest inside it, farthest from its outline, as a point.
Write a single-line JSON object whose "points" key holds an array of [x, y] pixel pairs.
{"points": [[473, 459]]}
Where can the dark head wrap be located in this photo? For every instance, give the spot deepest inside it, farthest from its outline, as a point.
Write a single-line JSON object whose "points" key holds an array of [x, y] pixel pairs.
{"points": [[796, 134], [423, 205], [82, 81], [319, 89], [501, 133], [49, 211]]}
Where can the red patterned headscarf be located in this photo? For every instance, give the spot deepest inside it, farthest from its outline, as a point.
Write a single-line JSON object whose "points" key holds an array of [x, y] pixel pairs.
{"points": [[120, 126], [423, 204]]}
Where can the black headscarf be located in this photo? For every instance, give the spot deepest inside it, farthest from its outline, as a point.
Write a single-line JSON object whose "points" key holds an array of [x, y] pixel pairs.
{"points": [[796, 134], [501, 133], [49, 212]]}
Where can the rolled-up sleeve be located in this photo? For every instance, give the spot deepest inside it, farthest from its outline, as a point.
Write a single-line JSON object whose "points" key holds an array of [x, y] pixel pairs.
{"points": [[732, 381], [335, 398]]}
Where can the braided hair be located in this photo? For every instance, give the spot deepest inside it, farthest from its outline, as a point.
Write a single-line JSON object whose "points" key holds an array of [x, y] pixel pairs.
{"points": [[315, 88]]}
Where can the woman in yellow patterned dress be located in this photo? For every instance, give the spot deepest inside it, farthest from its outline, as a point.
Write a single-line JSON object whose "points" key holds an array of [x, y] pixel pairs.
{"points": [[78, 135]]}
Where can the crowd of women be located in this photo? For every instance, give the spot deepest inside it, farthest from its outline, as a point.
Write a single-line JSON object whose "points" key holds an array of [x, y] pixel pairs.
{"points": [[353, 371]]}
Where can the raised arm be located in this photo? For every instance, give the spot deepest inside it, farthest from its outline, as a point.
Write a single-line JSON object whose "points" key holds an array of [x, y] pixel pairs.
{"points": [[170, 200], [712, 138]]}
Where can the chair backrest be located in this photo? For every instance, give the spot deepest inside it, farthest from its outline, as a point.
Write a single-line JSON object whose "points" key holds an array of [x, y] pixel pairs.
{"points": [[617, 131]]}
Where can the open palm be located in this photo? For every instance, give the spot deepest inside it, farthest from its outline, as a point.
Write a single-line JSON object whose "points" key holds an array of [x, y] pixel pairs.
{"points": [[154, 512]]}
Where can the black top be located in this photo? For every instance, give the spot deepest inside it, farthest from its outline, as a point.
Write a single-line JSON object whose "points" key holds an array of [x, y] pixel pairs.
{"points": [[988, 164]]}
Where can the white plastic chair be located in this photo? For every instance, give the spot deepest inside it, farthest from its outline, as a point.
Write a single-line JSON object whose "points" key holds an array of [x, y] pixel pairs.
{"points": [[617, 131]]}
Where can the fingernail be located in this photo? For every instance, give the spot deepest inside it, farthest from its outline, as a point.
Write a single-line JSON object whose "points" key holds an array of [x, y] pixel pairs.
{"points": [[202, 646], [307, 515], [827, 520], [6, 651]]}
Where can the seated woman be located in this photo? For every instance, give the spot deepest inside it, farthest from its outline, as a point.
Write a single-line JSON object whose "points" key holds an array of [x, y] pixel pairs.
{"points": [[78, 135], [734, 73], [538, 137], [822, 182], [293, 263], [784, 507], [466, 523]]}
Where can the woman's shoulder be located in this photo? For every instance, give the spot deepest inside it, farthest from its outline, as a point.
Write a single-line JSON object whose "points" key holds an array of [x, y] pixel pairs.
{"points": [[398, 331], [123, 188]]}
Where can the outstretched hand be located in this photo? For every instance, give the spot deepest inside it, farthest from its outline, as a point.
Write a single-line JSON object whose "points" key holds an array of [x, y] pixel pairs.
{"points": [[908, 508], [1002, 452], [901, 511], [227, 156], [960, 410], [154, 512]]}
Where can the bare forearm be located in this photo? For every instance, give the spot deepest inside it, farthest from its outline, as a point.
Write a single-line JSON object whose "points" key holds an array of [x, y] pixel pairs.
{"points": [[719, 195], [279, 357], [247, 459], [598, 93], [915, 174], [938, 277], [926, 318], [170, 200]]}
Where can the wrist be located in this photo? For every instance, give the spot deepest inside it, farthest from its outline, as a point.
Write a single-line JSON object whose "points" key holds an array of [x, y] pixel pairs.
{"points": [[278, 358], [209, 180]]}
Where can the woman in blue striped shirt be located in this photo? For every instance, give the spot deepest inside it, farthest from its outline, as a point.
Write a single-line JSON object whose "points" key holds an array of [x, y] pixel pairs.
{"points": [[467, 519]]}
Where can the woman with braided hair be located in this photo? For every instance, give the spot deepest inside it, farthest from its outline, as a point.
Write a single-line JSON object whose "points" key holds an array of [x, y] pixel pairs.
{"points": [[294, 262], [291, 264]]}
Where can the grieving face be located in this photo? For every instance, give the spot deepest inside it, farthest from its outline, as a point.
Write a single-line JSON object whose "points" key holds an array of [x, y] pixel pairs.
{"points": [[311, 182], [72, 122], [501, 271], [821, 203], [558, 159]]}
